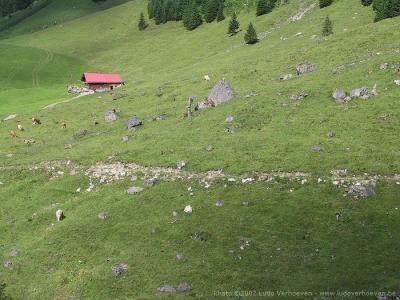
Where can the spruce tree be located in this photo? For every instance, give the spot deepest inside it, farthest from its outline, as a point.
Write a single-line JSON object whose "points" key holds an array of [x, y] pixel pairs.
{"points": [[233, 25], [263, 7], [142, 23], [327, 28], [192, 17], [366, 2], [211, 10], [324, 3], [251, 36], [220, 14]]}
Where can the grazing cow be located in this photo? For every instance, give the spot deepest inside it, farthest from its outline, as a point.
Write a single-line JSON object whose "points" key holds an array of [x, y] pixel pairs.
{"points": [[60, 215], [36, 121], [63, 125], [29, 141], [13, 134], [206, 78]]}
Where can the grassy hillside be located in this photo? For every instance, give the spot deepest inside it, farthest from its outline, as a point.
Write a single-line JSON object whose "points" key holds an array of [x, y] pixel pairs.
{"points": [[304, 235]]}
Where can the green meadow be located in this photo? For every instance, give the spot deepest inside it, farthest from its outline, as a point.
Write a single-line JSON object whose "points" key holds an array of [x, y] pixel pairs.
{"points": [[297, 242]]}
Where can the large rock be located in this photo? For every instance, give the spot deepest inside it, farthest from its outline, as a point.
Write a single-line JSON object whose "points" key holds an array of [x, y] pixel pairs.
{"points": [[360, 92], [305, 68], [285, 77], [339, 95], [397, 82], [133, 122], [300, 96], [119, 268], [361, 190], [221, 93], [134, 190], [111, 115]]}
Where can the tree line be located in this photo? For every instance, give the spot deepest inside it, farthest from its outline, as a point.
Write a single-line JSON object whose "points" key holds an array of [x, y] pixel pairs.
{"points": [[384, 9], [8, 7]]}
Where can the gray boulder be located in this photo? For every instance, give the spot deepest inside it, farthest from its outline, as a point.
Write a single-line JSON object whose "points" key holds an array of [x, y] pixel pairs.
{"points": [[111, 115], [397, 82], [299, 96], [361, 190], [230, 119], [305, 68], [8, 264], [184, 287], [222, 92], [360, 92], [135, 190], [384, 66], [133, 122], [167, 288], [119, 268], [285, 77], [180, 164], [316, 148], [103, 216], [339, 95], [150, 182]]}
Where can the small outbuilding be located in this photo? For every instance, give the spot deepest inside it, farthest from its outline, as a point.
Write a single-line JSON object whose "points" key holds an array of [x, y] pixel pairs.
{"points": [[102, 81]]}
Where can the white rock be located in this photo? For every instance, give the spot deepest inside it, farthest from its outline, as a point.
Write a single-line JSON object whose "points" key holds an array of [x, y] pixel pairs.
{"points": [[206, 78], [10, 117], [247, 180], [78, 190], [397, 82], [60, 215], [188, 209], [303, 181], [231, 179]]}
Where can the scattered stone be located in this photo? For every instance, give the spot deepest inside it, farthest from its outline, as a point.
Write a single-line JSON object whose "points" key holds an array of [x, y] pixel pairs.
{"points": [[316, 148], [251, 94], [339, 95], [125, 138], [285, 77], [111, 115], [60, 215], [330, 134], [180, 164], [134, 178], [10, 117], [384, 66], [244, 243], [161, 117], [206, 78], [81, 133], [360, 92], [166, 288], [150, 182], [188, 209], [133, 122], [67, 146], [29, 141], [179, 257], [209, 148], [201, 236], [135, 190], [203, 104], [184, 287], [361, 190], [229, 130], [174, 214], [397, 82], [247, 180], [221, 93], [305, 68], [119, 268], [103, 216], [220, 203], [8, 264], [14, 253], [299, 96], [245, 203], [229, 119]]}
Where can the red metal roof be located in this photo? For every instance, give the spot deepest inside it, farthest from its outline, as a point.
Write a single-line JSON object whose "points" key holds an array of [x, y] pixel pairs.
{"points": [[101, 78]]}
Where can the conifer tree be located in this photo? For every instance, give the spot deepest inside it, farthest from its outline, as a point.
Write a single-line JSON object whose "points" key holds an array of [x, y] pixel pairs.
{"points": [[142, 23], [192, 17], [211, 10], [233, 25], [324, 3], [263, 7], [220, 14], [251, 36], [327, 28]]}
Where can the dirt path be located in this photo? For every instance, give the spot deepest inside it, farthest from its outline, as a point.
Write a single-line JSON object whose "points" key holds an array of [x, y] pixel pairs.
{"points": [[65, 101]]}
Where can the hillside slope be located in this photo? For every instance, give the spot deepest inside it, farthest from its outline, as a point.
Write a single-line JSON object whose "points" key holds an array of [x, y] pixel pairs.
{"points": [[284, 224]]}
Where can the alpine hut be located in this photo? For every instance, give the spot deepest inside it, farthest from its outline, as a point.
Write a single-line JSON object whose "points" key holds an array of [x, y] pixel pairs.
{"points": [[102, 81]]}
